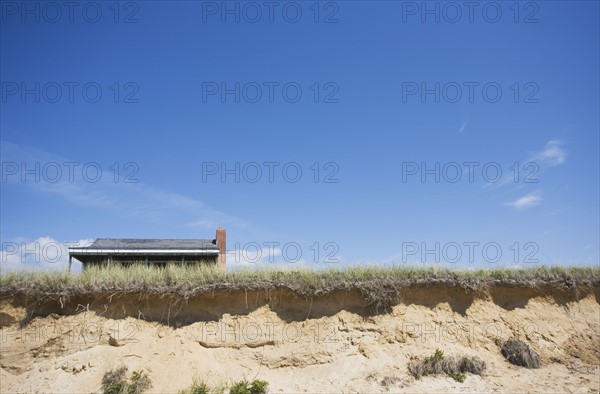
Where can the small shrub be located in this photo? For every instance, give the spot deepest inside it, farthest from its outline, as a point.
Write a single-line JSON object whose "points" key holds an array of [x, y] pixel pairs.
{"points": [[200, 388], [258, 386], [240, 387], [431, 365], [473, 365], [115, 382], [139, 383], [519, 353], [245, 387], [455, 368]]}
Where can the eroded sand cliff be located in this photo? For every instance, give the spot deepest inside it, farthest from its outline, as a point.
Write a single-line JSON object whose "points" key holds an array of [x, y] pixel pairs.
{"points": [[334, 343]]}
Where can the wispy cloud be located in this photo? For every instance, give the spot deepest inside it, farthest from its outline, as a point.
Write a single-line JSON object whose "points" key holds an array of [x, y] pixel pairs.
{"points": [[463, 126], [553, 154], [138, 200], [527, 201]]}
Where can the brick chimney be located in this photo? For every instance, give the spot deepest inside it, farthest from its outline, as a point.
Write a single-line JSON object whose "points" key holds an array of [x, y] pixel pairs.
{"points": [[221, 238]]}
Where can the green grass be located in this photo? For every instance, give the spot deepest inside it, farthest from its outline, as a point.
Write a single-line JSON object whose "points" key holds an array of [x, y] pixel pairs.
{"points": [[243, 386], [437, 356], [198, 387], [375, 283], [459, 377], [116, 382], [246, 387]]}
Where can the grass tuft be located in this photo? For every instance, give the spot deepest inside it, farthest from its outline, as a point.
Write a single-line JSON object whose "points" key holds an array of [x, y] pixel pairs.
{"points": [[199, 386], [116, 382], [459, 377], [245, 387]]}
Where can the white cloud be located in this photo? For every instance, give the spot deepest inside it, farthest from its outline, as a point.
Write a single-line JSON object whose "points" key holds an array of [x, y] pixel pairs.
{"points": [[552, 155], [44, 253], [527, 201]]}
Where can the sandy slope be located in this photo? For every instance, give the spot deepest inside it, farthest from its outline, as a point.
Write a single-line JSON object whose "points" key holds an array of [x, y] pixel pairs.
{"points": [[327, 345]]}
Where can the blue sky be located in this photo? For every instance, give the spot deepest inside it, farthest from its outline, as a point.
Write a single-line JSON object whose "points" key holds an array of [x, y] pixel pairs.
{"points": [[388, 89]]}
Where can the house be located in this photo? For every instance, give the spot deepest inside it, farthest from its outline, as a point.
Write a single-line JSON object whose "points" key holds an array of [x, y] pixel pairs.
{"points": [[153, 251]]}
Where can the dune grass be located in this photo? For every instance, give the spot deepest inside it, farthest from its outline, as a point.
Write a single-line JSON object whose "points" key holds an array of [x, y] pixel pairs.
{"points": [[375, 283]]}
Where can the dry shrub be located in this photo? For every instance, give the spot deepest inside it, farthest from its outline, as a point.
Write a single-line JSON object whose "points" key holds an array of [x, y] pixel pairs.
{"points": [[473, 365], [519, 353], [440, 364], [389, 381]]}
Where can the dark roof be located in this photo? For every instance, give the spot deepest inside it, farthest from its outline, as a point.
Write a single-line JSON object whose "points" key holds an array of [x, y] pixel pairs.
{"points": [[124, 243]]}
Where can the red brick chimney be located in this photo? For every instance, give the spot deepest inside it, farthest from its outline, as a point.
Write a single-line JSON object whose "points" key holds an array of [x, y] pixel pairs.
{"points": [[221, 238]]}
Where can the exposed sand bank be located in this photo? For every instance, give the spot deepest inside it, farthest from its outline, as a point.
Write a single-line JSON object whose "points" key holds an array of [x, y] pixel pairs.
{"points": [[335, 343]]}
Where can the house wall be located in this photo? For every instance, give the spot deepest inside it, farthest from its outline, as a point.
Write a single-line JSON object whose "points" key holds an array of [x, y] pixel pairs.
{"points": [[152, 260]]}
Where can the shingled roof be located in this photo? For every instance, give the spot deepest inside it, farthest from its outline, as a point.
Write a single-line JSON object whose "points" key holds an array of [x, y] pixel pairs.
{"points": [[148, 247], [154, 244]]}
